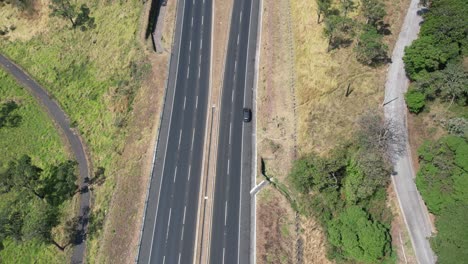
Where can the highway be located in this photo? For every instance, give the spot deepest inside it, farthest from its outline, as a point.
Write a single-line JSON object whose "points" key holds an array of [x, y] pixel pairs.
{"points": [[169, 227], [230, 233]]}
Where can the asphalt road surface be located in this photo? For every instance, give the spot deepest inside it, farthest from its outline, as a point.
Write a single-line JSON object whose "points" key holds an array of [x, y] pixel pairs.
{"points": [[230, 234], [171, 214], [62, 121], [414, 211]]}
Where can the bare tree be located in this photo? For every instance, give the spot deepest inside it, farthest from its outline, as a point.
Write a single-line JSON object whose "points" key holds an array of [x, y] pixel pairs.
{"points": [[386, 137]]}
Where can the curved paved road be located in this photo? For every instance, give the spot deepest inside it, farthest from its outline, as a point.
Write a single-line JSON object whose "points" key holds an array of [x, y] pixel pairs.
{"points": [[60, 119], [413, 208]]}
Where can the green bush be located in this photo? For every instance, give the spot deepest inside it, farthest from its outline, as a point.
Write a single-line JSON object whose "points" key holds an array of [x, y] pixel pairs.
{"points": [[370, 49], [423, 57], [451, 242], [358, 237], [415, 101]]}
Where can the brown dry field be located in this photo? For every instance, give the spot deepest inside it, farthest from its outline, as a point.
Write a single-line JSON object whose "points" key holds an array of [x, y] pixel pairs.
{"points": [[325, 115], [316, 81], [123, 223], [22, 21], [275, 134]]}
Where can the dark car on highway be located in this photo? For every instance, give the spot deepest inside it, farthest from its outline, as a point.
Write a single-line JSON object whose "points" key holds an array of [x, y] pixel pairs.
{"points": [[247, 115]]}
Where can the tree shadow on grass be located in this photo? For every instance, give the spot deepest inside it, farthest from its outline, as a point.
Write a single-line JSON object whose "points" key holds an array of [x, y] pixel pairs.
{"points": [[8, 115]]}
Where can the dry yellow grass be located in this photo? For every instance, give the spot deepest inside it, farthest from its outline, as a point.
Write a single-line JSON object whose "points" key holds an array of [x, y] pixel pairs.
{"points": [[325, 115], [276, 235], [19, 23]]}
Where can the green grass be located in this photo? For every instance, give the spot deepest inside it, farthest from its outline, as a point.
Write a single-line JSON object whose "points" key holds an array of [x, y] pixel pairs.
{"points": [[37, 137], [94, 75], [30, 252]]}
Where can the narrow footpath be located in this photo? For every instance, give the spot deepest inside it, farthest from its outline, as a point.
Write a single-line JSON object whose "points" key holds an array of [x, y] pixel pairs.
{"points": [[75, 143], [413, 208]]}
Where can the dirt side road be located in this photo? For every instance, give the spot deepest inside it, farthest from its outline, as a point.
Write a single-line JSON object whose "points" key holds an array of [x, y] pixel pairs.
{"points": [[74, 142], [414, 211]]}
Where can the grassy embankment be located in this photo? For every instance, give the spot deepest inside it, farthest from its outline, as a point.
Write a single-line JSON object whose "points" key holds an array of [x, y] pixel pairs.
{"points": [[325, 117], [37, 137], [95, 76]]}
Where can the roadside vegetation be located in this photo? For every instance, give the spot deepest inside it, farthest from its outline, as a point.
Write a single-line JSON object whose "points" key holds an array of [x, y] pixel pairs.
{"points": [[437, 65], [89, 56], [322, 70], [37, 182], [346, 192]]}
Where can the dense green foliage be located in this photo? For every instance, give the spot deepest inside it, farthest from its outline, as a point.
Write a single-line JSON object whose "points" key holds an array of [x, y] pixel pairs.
{"points": [[8, 117], [415, 100], [423, 57], [442, 178], [443, 182], [451, 242], [345, 191], [359, 237], [434, 62]]}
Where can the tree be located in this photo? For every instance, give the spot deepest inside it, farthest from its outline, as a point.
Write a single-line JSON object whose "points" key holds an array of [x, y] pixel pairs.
{"points": [[358, 237], [323, 7], [38, 220], [379, 136], [422, 57], [451, 241], [347, 6], [415, 100], [339, 31], [452, 82], [59, 183], [442, 178], [8, 116], [458, 126], [446, 22], [366, 173], [370, 50], [78, 17], [22, 174], [373, 11]]}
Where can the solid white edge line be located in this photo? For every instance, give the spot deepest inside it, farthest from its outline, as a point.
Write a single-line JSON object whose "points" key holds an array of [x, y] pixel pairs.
{"points": [[253, 241], [167, 140], [242, 145]]}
